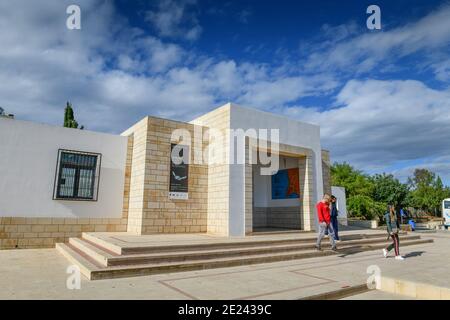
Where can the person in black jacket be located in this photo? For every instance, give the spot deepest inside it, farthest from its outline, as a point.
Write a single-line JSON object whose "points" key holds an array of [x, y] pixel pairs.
{"points": [[334, 217], [398, 217]]}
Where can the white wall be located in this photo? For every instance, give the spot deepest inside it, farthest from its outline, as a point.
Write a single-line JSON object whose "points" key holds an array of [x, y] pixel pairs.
{"points": [[339, 193], [28, 156], [292, 132]]}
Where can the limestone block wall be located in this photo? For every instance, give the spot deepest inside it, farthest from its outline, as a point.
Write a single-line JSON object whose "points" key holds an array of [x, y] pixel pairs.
{"points": [[134, 203], [259, 217], [284, 217], [306, 177], [326, 173], [248, 188], [29, 233], [126, 191], [218, 173], [150, 209], [277, 217]]}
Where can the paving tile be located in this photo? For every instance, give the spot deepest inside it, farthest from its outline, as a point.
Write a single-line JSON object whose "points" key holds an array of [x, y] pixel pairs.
{"points": [[41, 274]]}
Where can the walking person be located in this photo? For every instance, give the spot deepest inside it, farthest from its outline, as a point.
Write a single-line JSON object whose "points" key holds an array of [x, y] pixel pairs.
{"points": [[393, 233], [402, 215], [334, 217], [397, 216], [324, 217]]}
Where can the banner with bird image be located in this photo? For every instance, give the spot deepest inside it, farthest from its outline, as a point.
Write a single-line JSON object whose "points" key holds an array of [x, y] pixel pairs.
{"points": [[179, 172]]}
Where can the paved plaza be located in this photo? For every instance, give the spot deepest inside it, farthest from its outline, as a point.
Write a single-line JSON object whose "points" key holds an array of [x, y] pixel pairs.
{"points": [[41, 274]]}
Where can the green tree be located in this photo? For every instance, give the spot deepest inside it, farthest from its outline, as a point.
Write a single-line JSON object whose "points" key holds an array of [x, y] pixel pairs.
{"points": [[389, 190], [439, 193], [427, 191], [365, 207], [421, 178], [359, 189], [69, 118], [367, 196], [354, 181]]}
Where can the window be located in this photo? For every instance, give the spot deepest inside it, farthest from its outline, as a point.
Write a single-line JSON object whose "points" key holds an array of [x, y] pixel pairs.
{"points": [[77, 175], [446, 204]]}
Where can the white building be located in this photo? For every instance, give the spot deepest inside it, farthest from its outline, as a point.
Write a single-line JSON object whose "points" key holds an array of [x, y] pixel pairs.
{"points": [[58, 182]]}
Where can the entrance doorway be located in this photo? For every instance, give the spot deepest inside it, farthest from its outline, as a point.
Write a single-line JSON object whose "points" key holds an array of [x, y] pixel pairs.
{"points": [[276, 198]]}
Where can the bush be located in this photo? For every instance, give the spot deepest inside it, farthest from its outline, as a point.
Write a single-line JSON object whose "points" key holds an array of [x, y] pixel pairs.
{"points": [[365, 207]]}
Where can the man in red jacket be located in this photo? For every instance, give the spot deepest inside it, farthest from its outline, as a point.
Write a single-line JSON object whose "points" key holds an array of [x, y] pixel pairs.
{"points": [[323, 214]]}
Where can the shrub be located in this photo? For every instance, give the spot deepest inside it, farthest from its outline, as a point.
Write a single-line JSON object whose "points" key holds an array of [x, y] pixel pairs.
{"points": [[360, 206]]}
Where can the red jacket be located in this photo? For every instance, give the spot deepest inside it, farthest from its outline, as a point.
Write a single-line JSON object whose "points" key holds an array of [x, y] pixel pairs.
{"points": [[323, 212]]}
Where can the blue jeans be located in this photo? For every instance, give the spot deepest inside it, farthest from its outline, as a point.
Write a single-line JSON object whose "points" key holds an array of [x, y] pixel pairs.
{"points": [[334, 224]]}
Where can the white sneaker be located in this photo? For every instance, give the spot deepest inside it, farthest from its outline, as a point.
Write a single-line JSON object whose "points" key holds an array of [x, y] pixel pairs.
{"points": [[399, 258], [385, 253]]}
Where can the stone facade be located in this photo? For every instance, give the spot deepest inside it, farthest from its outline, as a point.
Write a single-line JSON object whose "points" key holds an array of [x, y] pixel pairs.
{"points": [[326, 173], [249, 203], [126, 189], [277, 217], [149, 208], [307, 209], [136, 155], [29, 233], [218, 173]]}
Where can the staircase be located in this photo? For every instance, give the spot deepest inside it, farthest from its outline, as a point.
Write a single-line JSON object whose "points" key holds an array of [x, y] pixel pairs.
{"points": [[100, 259]]}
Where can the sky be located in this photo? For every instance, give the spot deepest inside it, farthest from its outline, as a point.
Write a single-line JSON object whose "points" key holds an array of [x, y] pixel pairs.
{"points": [[381, 97]]}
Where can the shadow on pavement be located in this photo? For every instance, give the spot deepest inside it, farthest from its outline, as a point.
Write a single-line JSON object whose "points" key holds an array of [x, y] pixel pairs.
{"points": [[413, 254], [342, 253]]}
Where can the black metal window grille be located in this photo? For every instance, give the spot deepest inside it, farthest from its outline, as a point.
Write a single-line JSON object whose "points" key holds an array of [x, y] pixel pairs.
{"points": [[77, 175]]}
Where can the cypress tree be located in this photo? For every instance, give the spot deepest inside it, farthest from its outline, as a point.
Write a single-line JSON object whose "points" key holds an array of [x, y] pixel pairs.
{"points": [[69, 119], [66, 115]]}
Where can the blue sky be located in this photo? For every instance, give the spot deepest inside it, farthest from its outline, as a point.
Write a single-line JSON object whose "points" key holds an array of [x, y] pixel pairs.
{"points": [[381, 97]]}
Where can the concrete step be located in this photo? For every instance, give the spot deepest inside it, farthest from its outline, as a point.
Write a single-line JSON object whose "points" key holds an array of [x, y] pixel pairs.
{"points": [[168, 267], [107, 246], [190, 252], [255, 242], [231, 252], [375, 295], [93, 271], [86, 265], [340, 293], [286, 231], [98, 254]]}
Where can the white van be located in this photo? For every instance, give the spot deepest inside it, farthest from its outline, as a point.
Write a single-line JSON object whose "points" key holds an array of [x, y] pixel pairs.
{"points": [[446, 212]]}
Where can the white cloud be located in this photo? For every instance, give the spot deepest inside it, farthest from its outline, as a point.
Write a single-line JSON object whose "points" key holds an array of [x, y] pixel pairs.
{"points": [[439, 165], [344, 49], [115, 74], [376, 124], [175, 19], [442, 70], [280, 91], [148, 54]]}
